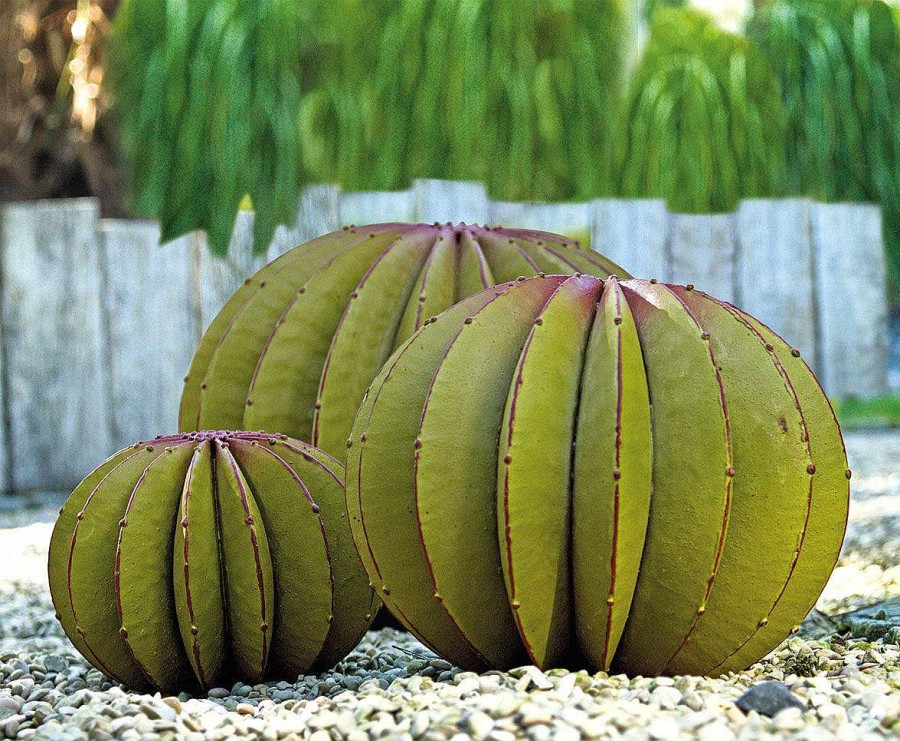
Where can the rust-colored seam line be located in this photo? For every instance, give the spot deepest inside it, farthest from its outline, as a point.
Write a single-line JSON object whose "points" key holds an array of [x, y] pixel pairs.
{"points": [[95, 660], [220, 546], [374, 600], [123, 631], [500, 243], [315, 509], [337, 332], [176, 439], [561, 256], [726, 510], [507, 528], [500, 292], [528, 258], [287, 310], [203, 383], [359, 465], [185, 502], [254, 541], [395, 331], [806, 441], [309, 454], [251, 294], [593, 257], [605, 264], [386, 598], [813, 378], [614, 551], [531, 234], [482, 261], [312, 459], [423, 280], [837, 426], [362, 451]]}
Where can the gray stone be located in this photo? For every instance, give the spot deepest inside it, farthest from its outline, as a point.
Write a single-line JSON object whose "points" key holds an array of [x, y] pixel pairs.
{"points": [[10, 703], [768, 698], [55, 663], [871, 622], [158, 711], [11, 726]]}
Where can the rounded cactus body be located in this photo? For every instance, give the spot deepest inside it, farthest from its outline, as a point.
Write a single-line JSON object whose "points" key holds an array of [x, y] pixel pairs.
{"points": [[569, 471], [208, 557], [295, 348]]}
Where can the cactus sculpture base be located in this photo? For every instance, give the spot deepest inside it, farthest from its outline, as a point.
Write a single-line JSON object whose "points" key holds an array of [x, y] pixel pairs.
{"points": [[194, 560], [571, 471]]}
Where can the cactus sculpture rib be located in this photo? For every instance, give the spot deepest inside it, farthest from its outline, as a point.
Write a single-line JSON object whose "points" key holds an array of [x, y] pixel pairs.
{"points": [[570, 470], [206, 557], [295, 348]]}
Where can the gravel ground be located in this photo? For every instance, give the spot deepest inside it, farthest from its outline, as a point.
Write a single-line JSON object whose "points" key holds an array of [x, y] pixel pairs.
{"points": [[392, 687]]}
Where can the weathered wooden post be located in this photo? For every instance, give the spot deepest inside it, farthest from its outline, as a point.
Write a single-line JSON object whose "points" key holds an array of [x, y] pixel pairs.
{"points": [[365, 207], [702, 249], [152, 326], [852, 302], [53, 343], [318, 212], [634, 234], [449, 200], [774, 268], [219, 277]]}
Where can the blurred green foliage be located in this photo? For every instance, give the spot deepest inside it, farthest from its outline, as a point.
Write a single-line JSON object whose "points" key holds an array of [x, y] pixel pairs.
{"points": [[838, 63], [221, 97], [520, 95], [703, 124], [876, 412], [651, 6], [208, 93]]}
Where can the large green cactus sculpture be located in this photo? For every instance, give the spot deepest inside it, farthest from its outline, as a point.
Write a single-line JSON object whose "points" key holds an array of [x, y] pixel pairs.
{"points": [[200, 558], [295, 348], [563, 470]]}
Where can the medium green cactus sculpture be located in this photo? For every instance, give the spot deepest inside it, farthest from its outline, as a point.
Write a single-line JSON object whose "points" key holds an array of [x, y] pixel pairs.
{"points": [[214, 556], [567, 471], [295, 348]]}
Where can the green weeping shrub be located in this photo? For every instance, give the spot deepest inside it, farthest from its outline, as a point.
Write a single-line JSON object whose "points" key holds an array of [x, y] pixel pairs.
{"points": [[520, 96], [221, 98], [838, 62], [207, 93], [703, 122]]}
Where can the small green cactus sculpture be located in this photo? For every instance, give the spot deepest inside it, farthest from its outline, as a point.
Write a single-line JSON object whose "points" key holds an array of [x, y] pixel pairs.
{"points": [[567, 471], [209, 557], [295, 348]]}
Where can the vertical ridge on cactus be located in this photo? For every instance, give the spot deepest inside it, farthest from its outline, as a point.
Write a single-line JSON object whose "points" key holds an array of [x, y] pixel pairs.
{"points": [[193, 559], [572, 471], [295, 348]]}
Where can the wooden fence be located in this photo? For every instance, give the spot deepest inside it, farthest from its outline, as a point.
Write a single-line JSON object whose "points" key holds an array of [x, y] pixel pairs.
{"points": [[99, 322]]}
